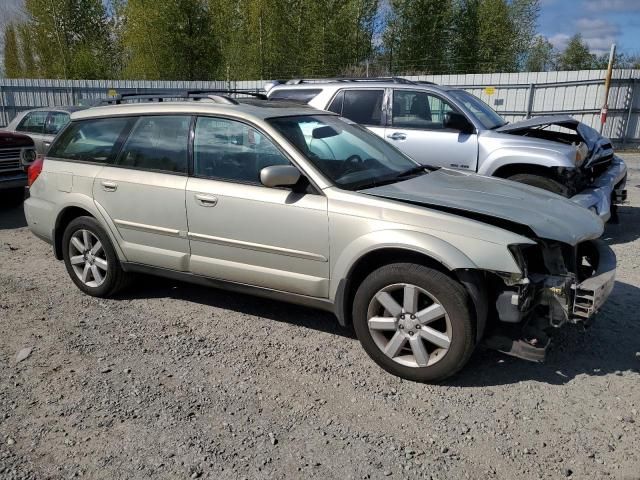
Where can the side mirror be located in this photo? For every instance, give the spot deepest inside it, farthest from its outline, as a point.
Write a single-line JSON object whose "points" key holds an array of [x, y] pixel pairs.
{"points": [[457, 121], [279, 176]]}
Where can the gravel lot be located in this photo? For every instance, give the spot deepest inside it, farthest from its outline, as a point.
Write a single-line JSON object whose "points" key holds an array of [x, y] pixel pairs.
{"points": [[172, 380]]}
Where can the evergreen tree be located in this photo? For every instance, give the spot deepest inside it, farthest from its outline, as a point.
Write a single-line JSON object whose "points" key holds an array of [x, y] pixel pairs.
{"points": [[541, 56], [12, 65], [576, 55]]}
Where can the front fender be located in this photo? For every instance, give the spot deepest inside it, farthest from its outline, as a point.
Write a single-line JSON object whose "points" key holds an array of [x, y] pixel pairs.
{"points": [[520, 155], [451, 254]]}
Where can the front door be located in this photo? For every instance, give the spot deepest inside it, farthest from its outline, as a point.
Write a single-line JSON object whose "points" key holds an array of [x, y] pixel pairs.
{"points": [[417, 128], [143, 194], [33, 125], [241, 231]]}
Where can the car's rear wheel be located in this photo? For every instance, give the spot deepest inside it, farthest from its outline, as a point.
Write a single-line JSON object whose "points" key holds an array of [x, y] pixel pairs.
{"points": [[414, 322], [90, 258], [539, 181]]}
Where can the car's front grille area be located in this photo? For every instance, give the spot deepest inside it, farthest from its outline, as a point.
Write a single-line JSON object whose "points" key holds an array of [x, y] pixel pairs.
{"points": [[9, 159]]}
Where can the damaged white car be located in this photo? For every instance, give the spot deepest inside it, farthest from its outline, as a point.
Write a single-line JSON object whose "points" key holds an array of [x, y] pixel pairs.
{"points": [[449, 127]]}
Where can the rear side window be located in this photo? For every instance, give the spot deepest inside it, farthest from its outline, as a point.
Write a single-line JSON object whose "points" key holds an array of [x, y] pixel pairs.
{"points": [[33, 122], [363, 106], [158, 143], [55, 122], [94, 140], [302, 95]]}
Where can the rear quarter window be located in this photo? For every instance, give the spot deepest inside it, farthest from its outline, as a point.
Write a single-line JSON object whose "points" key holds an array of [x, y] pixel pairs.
{"points": [[96, 140]]}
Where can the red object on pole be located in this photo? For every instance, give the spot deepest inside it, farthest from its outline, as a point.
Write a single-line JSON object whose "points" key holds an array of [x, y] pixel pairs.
{"points": [[603, 114]]}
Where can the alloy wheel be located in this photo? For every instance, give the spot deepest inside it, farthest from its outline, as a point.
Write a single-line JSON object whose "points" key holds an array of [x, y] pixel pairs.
{"points": [[88, 258], [409, 325]]}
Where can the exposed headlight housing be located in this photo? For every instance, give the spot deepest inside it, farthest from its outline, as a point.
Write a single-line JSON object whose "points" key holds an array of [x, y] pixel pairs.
{"points": [[582, 152], [28, 156], [518, 257]]}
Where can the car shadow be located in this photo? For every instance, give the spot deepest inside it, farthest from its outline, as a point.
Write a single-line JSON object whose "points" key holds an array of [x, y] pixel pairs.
{"points": [[147, 286], [609, 346], [627, 229], [11, 211]]}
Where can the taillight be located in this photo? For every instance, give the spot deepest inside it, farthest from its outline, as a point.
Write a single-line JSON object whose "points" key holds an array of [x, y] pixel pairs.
{"points": [[34, 169]]}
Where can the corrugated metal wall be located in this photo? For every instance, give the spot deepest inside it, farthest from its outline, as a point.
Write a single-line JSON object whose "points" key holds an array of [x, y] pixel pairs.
{"points": [[513, 95]]}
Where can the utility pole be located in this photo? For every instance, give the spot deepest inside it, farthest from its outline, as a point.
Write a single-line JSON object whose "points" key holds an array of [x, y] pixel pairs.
{"points": [[607, 87]]}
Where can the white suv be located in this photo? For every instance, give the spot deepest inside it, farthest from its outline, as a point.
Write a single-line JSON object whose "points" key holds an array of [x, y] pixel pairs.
{"points": [[303, 206]]}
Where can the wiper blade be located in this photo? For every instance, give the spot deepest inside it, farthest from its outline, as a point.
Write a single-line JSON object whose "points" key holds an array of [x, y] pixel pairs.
{"points": [[417, 169]]}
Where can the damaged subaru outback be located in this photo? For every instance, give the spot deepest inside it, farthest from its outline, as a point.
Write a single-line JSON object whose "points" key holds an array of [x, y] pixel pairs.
{"points": [[303, 206]]}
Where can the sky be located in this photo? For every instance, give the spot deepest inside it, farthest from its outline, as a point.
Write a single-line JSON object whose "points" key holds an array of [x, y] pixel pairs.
{"points": [[601, 23]]}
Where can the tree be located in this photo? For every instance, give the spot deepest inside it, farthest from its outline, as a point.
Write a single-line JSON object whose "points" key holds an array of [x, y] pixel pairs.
{"points": [[524, 17], [541, 56], [419, 35], [68, 38], [169, 40], [576, 55], [12, 66]]}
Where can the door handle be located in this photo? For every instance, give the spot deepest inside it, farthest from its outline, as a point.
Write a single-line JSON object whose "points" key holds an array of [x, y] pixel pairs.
{"points": [[109, 186], [397, 136], [206, 200], [46, 144]]}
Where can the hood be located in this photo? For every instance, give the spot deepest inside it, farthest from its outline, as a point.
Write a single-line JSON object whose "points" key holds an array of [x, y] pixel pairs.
{"points": [[13, 140], [509, 205], [598, 145]]}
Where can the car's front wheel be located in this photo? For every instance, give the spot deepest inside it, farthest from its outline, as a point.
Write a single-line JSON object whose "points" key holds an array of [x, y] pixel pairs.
{"points": [[90, 258], [414, 322]]}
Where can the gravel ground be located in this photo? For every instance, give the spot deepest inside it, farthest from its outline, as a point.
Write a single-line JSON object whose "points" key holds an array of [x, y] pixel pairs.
{"points": [[177, 381]]}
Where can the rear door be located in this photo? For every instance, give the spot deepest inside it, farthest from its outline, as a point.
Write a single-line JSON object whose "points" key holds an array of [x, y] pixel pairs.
{"points": [[362, 105], [417, 128], [244, 232], [143, 193]]}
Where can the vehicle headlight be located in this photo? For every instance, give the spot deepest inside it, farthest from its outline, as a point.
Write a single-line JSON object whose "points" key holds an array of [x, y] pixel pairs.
{"points": [[582, 151], [28, 156]]}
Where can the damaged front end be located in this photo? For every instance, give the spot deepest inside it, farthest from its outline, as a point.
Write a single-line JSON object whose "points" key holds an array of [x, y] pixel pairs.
{"points": [[597, 179], [560, 284]]}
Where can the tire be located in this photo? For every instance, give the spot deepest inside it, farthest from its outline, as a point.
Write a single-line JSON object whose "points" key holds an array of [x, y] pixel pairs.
{"points": [[433, 289], [109, 277], [548, 184]]}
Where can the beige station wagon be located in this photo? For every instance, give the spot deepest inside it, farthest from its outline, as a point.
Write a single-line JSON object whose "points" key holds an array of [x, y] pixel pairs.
{"points": [[303, 206]]}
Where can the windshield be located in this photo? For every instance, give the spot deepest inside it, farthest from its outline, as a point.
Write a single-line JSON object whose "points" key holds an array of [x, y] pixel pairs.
{"points": [[486, 115], [350, 156]]}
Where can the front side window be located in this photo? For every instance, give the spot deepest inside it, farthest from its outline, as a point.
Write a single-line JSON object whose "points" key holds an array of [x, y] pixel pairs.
{"points": [[418, 109], [94, 140], [348, 155], [33, 122], [486, 115], [361, 106], [55, 122], [231, 150], [158, 143]]}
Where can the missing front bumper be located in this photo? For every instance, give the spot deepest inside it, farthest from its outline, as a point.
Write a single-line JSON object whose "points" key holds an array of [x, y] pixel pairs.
{"points": [[592, 293], [607, 189]]}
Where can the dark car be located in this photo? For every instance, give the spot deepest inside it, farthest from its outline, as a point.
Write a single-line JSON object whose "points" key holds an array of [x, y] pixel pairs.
{"points": [[17, 152]]}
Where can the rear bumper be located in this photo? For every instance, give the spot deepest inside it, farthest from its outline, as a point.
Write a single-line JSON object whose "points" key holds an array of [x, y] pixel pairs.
{"points": [[593, 292], [607, 188], [14, 180]]}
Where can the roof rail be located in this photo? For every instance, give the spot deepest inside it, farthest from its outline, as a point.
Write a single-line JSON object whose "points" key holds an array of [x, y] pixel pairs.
{"points": [[213, 95], [298, 81]]}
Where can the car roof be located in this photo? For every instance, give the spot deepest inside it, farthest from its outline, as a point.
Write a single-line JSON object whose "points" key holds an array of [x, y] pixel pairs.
{"points": [[338, 84], [56, 108], [256, 109]]}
